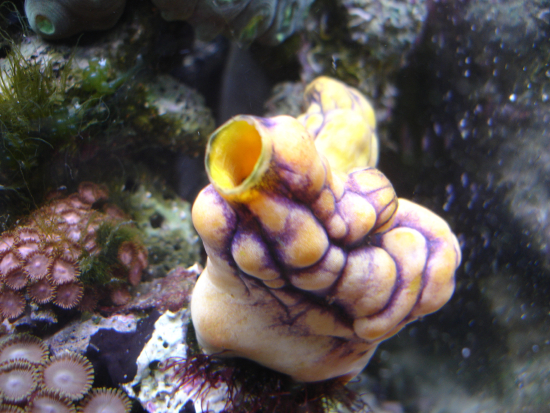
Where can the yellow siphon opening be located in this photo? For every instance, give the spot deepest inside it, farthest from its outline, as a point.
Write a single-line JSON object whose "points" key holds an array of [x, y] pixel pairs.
{"points": [[233, 154]]}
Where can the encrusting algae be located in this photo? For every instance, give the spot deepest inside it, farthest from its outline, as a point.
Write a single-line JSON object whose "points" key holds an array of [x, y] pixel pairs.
{"points": [[311, 266]]}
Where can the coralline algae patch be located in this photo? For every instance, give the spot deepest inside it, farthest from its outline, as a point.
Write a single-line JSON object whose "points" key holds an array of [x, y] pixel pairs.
{"points": [[164, 219], [32, 381], [153, 386], [63, 252], [157, 388]]}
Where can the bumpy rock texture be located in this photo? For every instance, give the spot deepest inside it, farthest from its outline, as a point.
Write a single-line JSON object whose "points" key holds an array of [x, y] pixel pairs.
{"points": [[309, 269], [168, 233], [364, 43]]}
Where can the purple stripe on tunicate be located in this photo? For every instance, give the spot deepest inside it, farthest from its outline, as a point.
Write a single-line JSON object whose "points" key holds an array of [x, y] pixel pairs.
{"points": [[426, 273], [339, 276], [395, 291], [320, 128], [425, 277], [253, 226], [226, 234], [354, 100], [224, 255], [253, 232], [378, 210], [318, 266], [308, 299], [291, 229], [315, 131], [280, 163], [341, 241], [250, 282], [342, 346], [413, 221], [229, 214], [399, 282], [267, 122], [297, 184], [372, 196], [435, 247], [315, 96], [376, 240], [381, 224], [289, 319], [340, 279]]}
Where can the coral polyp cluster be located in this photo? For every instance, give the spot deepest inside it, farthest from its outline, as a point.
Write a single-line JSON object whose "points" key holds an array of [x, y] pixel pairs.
{"points": [[33, 381], [68, 249]]}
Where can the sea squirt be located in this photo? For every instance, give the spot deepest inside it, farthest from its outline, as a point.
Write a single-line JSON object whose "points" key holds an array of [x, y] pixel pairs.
{"points": [[309, 269], [343, 124]]}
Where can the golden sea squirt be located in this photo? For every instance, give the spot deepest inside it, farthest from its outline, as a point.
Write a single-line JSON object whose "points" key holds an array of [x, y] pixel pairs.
{"points": [[309, 270], [343, 123]]}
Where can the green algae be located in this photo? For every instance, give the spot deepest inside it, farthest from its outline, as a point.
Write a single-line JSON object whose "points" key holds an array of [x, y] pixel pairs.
{"points": [[32, 113], [44, 109], [34, 120], [40, 119], [54, 114], [104, 267], [80, 110], [165, 222], [99, 78]]}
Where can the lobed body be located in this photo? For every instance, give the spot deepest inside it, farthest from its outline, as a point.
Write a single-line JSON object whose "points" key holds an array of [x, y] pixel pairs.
{"points": [[308, 269]]}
